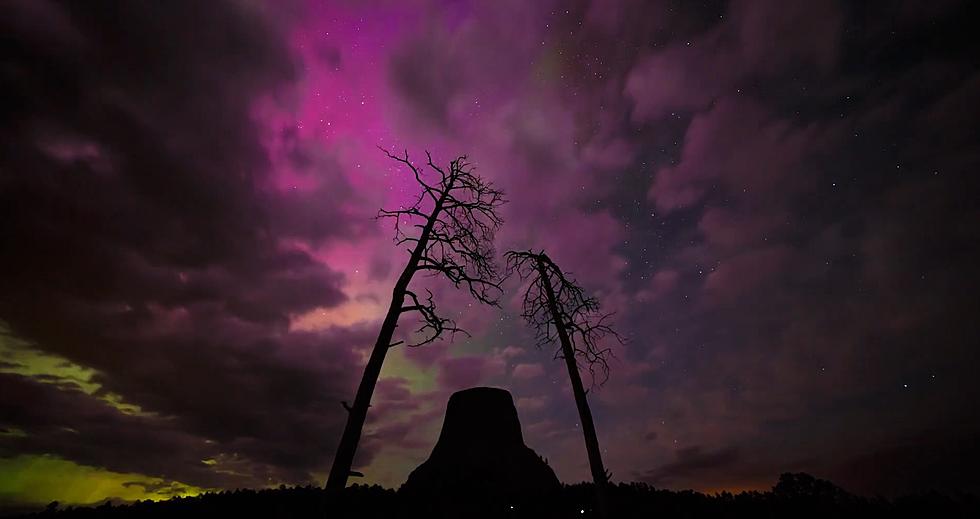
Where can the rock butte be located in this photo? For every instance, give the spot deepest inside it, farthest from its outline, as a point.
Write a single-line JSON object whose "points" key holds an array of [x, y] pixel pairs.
{"points": [[481, 452]]}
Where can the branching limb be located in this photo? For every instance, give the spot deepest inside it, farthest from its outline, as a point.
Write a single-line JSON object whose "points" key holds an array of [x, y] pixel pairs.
{"points": [[433, 326], [451, 229], [579, 315]]}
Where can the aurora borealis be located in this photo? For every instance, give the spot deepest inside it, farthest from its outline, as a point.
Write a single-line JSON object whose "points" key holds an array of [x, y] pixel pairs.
{"points": [[778, 200]]}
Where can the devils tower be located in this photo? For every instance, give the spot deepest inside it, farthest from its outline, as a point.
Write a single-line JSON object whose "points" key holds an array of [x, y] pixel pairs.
{"points": [[481, 453]]}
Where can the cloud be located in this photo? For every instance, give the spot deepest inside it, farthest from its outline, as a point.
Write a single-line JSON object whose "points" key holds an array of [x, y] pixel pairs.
{"points": [[531, 404], [746, 273], [428, 77], [457, 373], [149, 243], [427, 355], [740, 149], [511, 352], [756, 39], [527, 371], [660, 284], [942, 461], [690, 463]]}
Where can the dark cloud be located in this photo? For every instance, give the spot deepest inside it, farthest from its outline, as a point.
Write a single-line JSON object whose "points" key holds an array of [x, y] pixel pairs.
{"points": [[72, 424], [806, 221], [754, 41], [445, 72], [944, 461], [461, 372], [689, 463], [145, 238], [428, 75]]}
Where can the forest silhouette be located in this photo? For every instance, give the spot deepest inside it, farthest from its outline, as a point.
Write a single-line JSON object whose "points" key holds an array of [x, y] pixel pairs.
{"points": [[794, 495]]}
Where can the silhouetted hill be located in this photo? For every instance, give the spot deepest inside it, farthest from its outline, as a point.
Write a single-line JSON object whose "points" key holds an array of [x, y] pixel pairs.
{"points": [[795, 495], [481, 455]]}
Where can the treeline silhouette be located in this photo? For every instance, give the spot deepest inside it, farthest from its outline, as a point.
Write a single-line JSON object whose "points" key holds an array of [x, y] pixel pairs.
{"points": [[795, 495]]}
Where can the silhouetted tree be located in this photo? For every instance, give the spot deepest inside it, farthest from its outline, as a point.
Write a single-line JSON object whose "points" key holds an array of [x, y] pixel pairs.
{"points": [[559, 311], [450, 231]]}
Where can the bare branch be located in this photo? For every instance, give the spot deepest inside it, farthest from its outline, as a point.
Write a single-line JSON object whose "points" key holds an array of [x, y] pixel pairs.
{"points": [[427, 189], [455, 237], [433, 326], [579, 315]]}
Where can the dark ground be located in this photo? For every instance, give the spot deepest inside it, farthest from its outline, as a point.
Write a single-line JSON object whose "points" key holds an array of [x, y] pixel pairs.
{"points": [[795, 495]]}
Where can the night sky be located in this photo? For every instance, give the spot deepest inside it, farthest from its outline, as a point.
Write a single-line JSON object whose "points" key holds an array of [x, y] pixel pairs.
{"points": [[778, 199]]}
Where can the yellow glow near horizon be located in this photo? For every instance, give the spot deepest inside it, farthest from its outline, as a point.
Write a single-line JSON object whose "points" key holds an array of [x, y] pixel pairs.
{"points": [[38, 480], [22, 358]]}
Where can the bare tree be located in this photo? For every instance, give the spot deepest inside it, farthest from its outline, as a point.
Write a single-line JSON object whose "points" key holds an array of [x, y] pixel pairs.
{"points": [[449, 231], [559, 311]]}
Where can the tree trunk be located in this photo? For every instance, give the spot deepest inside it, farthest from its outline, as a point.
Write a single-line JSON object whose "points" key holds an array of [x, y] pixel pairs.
{"points": [[357, 413], [585, 414]]}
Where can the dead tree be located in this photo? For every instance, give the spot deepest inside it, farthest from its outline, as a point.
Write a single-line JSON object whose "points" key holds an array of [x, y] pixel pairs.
{"points": [[449, 231], [559, 311]]}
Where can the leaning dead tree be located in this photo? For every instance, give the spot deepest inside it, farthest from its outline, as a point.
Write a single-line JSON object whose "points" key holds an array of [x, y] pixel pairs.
{"points": [[448, 232], [560, 312]]}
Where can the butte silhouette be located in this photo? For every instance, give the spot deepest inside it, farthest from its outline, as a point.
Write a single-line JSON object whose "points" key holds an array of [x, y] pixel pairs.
{"points": [[480, 458]]}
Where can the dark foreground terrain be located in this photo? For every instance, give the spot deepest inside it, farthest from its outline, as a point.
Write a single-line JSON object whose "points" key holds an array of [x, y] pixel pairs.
{"points": [[795, 495]]}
